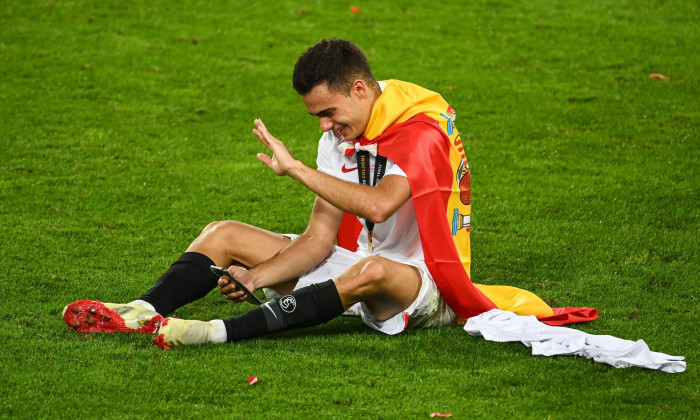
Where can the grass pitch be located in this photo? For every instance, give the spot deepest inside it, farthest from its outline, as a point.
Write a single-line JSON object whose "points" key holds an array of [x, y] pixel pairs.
{"points": [[126, 129]]}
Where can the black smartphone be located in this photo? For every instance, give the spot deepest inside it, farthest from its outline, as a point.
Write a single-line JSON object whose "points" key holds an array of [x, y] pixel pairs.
{"points": [[220, 271]]}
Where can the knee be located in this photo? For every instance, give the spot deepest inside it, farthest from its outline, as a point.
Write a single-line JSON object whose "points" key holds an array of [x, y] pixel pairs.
{"points": [[220, 228], [369, 279]]}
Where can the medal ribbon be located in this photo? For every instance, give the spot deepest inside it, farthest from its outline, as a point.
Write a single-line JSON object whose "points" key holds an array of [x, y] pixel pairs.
{"points": [[363, 174]]}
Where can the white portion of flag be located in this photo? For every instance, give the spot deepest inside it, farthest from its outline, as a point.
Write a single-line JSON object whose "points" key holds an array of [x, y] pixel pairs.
{"points": [[547, 340]]}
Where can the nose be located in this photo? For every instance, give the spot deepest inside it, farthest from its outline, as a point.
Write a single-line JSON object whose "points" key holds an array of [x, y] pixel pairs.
{"points": [[326, 124]]}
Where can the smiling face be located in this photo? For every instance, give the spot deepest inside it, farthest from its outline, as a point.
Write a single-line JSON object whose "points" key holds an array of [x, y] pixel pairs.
{"points": [[346, 115]]}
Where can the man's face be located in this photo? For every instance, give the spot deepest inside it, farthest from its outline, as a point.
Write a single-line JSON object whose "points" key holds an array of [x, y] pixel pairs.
{"points": [[346, 115]]}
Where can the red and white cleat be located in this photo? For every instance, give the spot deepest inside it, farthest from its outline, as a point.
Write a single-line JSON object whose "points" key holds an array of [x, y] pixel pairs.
{"points": [[91, 316], [176, 332]]}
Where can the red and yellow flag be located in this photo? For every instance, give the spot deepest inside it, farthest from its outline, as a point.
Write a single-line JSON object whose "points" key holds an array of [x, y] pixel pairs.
{"points": [[415, 128]]}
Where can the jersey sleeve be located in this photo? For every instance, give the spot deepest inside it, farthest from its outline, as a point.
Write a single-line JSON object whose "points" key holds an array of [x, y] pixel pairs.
{"points": [[393, 169]]}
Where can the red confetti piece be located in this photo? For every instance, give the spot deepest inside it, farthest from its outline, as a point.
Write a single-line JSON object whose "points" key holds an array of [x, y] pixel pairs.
{"points": [[658, 76], [440, 415], [253, 380], [355, 9]]}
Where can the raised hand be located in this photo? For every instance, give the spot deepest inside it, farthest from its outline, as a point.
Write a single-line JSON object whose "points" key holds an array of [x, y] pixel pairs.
{"points": [[281, 161]]}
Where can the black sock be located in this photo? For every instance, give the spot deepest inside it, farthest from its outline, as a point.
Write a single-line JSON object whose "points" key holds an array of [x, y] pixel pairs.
{"points": [[188, 279], [306, 307]]}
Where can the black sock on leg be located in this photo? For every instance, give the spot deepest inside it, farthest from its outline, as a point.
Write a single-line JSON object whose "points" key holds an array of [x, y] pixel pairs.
{"points": [[188, 279], [306, 307]]}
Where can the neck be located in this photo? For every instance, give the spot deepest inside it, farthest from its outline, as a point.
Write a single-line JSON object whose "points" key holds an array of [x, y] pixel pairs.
{"points": [[376, 94]]}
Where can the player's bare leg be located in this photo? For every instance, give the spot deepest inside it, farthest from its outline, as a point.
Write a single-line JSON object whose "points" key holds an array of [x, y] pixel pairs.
{"points": [[386, 287], [220, 243], [230, 242]]}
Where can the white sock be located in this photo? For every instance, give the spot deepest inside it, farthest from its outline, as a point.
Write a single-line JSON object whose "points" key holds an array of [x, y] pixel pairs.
{"points": [[218, 335], [144, 304]]}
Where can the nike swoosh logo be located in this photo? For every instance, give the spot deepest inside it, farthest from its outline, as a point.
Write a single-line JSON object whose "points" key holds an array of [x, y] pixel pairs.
{"points": [[346, 170]]}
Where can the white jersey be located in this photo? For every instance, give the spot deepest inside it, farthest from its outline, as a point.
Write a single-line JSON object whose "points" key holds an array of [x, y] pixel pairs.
{"points": [[398, 237]]}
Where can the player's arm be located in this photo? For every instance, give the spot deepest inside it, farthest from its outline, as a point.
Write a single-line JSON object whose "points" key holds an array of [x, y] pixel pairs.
{"points": [[312, 247], [376, 203], [309, 249]]}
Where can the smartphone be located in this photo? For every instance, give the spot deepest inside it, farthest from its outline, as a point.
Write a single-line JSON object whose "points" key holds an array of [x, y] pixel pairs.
{"points": [[220, 271]]}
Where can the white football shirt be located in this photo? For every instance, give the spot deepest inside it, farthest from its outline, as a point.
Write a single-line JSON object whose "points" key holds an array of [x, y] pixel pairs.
{"points": [[397, 238]]}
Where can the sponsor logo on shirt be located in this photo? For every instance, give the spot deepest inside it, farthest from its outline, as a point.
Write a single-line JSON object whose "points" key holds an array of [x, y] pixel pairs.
{"points": [[346, 170]]}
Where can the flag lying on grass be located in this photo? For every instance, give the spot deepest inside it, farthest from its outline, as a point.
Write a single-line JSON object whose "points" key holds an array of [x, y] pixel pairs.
{"points": [[414, 127], [545, 340]]}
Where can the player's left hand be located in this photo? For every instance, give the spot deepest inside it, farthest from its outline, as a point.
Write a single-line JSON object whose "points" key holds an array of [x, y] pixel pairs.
{"points": [[229, 288], [281, 161]]}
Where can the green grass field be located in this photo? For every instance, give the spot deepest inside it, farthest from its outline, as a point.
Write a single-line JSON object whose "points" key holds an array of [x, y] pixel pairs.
{"points": [[126, 128]]}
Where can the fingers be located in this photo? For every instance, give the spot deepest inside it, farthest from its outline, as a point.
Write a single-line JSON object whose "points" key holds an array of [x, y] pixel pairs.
{"points": [[266, 139], [230, 291], [260, 125], [236, 297], [225, 286], [261, 131], [261, 136], [222, 282], [267, 160], [281, 160]]}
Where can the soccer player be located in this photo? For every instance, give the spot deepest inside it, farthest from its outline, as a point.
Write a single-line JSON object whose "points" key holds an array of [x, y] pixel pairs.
{"points": [[391, 157]]}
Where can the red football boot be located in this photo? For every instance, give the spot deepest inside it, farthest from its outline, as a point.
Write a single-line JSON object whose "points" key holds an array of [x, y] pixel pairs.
{"points": [[89, 316]]}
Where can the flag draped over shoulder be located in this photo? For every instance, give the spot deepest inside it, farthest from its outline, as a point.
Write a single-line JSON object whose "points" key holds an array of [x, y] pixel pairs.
{"points": [[414, 127]]}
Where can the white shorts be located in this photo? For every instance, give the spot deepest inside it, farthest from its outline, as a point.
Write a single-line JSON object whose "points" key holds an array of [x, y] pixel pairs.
{"points": [[427, 310]]}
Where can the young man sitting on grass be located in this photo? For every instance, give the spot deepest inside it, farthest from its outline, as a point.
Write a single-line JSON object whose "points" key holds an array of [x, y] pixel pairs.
{"points": [[390, 156]]}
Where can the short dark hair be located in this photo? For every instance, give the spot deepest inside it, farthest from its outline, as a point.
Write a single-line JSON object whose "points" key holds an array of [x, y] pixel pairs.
{"points": [[335, 62]]}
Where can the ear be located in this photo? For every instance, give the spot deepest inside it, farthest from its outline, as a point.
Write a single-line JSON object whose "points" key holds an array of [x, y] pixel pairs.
{"points": [[359, 88]]}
